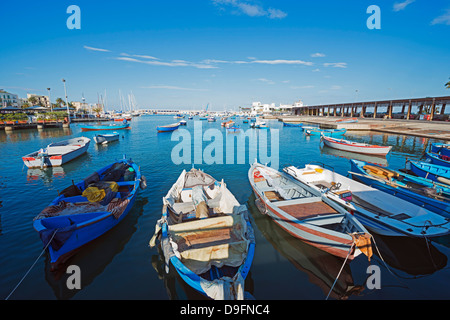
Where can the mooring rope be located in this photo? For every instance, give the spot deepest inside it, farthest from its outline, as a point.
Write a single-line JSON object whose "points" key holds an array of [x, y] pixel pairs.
{"points": [[23, 278], [342, 267]]}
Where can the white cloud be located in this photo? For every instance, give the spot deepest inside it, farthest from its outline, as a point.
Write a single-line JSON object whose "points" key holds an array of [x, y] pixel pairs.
{"points": [[265, 80], [172, 88], [173, 63], [95, 49], [316, 70], [302, 87], [442, 19], [398, 6], [279, 61], [336, 87], [251, 10], [318, 55], [336, 64]]}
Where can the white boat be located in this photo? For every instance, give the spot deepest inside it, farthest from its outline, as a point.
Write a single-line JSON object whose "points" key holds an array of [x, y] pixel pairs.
{"points": [[56, 154], [357, 147], [183, 122], [259, 125], [106, 138], [206, 235], [379, 211], [306, 214]]}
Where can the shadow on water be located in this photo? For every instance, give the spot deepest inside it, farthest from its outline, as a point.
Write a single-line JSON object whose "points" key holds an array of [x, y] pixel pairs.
{"points": [[95, 256]]}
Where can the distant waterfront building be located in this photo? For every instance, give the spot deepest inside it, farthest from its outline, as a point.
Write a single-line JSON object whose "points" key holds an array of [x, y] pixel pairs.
{"points": [[81, 106], [8, 99], [272, 109], [40, 100]]}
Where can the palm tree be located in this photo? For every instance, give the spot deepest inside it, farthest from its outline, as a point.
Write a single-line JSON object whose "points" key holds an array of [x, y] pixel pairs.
{"points": [[97, 110], [60, 102], [32, 100], [447, 85]]}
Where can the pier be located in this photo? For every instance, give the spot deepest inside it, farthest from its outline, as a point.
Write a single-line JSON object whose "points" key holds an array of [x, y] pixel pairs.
{"points": [[428, 108], [421, 117]]}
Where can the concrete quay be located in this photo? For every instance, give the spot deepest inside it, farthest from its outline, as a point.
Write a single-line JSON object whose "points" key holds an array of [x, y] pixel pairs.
{"points": [[439, 130]]}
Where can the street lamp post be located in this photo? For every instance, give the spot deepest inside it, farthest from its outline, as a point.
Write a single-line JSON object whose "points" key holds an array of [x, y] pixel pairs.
{"points": [[50, 100], [67, 104]]}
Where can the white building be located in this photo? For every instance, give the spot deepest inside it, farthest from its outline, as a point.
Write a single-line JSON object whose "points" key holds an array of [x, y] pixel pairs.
{"points": [[272, 109], [40, 100], [8, 99]]}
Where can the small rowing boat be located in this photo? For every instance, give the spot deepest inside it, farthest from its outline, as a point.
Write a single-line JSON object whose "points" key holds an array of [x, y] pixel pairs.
{"points": [[297, 125], [169, 128], [347, 120], [106, 138], [379, 211], [57, 154], [429, 171], [84, 211], [438, 159], [423, 192], [206, 235], [325, 132], [441, 148], [105, 127], [357, 147], [305, 213]]}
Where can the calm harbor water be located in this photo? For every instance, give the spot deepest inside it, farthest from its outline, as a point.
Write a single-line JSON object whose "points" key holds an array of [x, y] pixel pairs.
{"points": [[121, 265]]}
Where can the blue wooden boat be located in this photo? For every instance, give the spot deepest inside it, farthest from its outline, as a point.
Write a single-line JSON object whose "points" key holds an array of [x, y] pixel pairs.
{"points": [[420, 191], [233, 129], [169, 128], [429, 171], [436, 158], [326, 132], [82, 212], [287, 124], [105, 127], [441, 148], [206, 235]]}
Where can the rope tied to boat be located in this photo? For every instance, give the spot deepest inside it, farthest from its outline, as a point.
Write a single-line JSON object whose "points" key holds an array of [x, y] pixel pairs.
{"points": [[34, 263]]}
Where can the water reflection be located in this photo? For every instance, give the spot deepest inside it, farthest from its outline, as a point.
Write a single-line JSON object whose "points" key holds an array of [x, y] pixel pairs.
{"points": [[95, 256], [33, 134], [48, 175], [410, 255]]}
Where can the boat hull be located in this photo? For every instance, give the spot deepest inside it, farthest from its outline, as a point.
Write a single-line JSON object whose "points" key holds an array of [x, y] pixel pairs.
{"points": [[81, 228], [167, 128], [358, 148], [32, 161], [429, 171], [437, 159], [110, 127], [326, 132], [106, 138]]}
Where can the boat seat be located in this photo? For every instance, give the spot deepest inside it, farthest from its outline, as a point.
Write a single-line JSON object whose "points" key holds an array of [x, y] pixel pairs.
{"points": [[297, 201]]}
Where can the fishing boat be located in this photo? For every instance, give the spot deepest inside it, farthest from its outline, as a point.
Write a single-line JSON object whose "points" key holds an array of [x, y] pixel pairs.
{"points": [[382, 161], [429, 171], [191, 117], [326, 132], [441, 148], [106, 138], [168, 128], [178, 116], [227, 124], [105, 127], [347, 120], [245, 121], [438, 159], [259, 125], [84, 211], [183, 123], [379, 211], [305, 213], [287, 124], [420, 191], [357, 147], [57, 154], [206, 235], [211, 119], [233, 129]]}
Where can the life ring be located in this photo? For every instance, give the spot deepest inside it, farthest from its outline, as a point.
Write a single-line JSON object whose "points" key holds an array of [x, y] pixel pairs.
{"points": [[143, 183]]}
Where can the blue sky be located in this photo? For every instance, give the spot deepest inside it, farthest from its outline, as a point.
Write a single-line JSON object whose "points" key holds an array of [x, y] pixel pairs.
{"points": [[228, 53]]}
